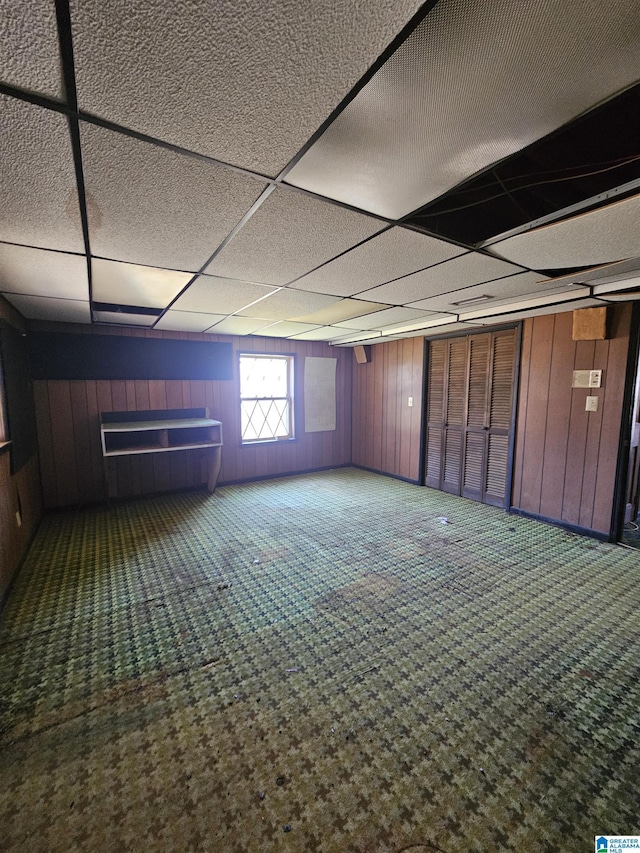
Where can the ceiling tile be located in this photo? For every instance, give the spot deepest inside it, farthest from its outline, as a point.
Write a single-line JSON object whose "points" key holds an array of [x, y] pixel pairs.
{"points": [[245, 83], [238, 326], [515, 316], [288, 304], [39, 197], [343, 309], [428, 321], [389, 316], [396, 252], [289, 235], [322, 333], [187, 321], [150, 205], [37, 272], [474, 83], [286, 329], [448, 329], [49, 308], [121, 318], [211, 295], [553, 301], [610, 233], [501, 289], [29, 55], [472, 268], [131, 284]]}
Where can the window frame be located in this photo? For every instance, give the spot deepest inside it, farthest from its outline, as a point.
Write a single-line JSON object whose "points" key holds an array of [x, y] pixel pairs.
{"points": [[290, 396]]}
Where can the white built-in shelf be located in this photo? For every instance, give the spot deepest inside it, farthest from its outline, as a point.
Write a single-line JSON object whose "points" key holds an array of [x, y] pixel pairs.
{"points": [[162, 432]]}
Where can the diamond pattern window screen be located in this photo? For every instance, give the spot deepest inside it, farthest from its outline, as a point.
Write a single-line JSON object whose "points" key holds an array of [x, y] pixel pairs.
{"points": [[266, 397]]}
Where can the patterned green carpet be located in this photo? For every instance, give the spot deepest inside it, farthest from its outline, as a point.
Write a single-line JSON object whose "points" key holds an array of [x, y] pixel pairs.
{"points": [[318, 663]]}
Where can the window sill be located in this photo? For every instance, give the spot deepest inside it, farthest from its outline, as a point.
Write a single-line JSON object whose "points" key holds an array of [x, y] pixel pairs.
{"points": [[267, 441]]}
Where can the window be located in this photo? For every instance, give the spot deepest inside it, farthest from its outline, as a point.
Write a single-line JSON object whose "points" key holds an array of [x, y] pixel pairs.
{"points": [[266, 397]]}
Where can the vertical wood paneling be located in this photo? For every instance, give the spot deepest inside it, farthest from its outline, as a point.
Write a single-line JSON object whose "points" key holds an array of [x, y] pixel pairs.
{"points": [[45, 444], [612, 396], [536, 411], [68, 418], [386, 433], [565, 458], [558, 416], [521, 419], [18, 492], [576, 446]]}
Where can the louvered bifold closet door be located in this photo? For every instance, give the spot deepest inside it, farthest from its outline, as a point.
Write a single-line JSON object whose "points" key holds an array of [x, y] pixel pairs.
{"points": [[500, 405], [475, 440], [438, 352], [455, 403]]}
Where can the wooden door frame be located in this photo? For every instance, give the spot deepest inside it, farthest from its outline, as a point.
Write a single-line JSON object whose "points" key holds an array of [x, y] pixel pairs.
{"points": [[624, 442], [478, 330]]}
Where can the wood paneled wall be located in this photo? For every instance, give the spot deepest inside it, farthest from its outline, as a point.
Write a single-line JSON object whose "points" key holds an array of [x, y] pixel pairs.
{"points": [[565, 457], [68, 425], [386, 432], [19, 492]]}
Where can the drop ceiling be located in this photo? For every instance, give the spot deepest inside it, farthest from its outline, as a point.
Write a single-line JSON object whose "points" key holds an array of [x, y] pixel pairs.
{"points": [[300, 172]]}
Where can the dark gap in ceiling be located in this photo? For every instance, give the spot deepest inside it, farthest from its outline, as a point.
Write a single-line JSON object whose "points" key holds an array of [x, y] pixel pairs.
{"points": [[593, 154], [126, 309], [558, 273]]}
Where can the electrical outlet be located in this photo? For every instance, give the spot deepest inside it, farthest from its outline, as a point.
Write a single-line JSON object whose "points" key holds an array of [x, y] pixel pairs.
{"points": [[410, 402], [591, 405]]}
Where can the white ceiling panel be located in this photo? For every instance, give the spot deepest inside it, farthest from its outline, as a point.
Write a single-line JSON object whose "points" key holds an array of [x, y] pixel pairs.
{"points": [[471, 268], [628, 296], [149, 205], [474, 83], [238, 326], [553, 302], [322, 333], [187, 321], [49, 308], [131, 284], [396, 252], [286, 329], [288, 304], [37, 272], [29, 55], [343, 309], [501, 289], [289, 235], [246, 83], [37, 179], [515, 316], [121, 318], [210, 295], [388, 317], [608, 234]]}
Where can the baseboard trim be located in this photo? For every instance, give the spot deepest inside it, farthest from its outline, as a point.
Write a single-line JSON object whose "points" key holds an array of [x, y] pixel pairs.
{"points": [[282, 474], [565, 525], [386, 474]]}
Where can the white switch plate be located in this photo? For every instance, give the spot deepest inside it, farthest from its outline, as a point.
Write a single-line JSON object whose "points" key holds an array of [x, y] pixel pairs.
{"points": [[595, 378], [410, 402], [591, 405]]}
